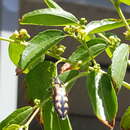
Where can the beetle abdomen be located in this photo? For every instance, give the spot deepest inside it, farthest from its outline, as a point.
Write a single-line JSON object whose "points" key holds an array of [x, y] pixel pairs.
{"points": [[60, 100]]}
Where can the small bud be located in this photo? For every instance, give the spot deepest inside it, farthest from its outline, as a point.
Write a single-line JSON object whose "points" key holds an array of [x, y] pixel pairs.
{"points": [[15, 35], [83, 21], [37, 101], [57, 49], [61, 49], [114, 39], [97, 67], [79, 62], [66, 28], [127, 35], [77, 65], [23, 34]]}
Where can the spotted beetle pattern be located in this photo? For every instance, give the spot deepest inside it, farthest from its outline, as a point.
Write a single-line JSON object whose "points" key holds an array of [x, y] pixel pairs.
{"points": [[60, 99]]}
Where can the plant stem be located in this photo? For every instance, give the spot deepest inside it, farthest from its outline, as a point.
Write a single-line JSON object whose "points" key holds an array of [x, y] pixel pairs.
{"points": [[104, 37], [119, 11], [82, 74], [76, 77], [56, 65], [58, 57], [31, 118], [4, 39], [126, 85], [107, 40]]}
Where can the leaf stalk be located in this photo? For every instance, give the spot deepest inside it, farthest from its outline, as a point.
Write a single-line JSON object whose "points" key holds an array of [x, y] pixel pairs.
{"points": [[120, 13], [32, 117], [5, 39], [126, 85], [76, 77]]}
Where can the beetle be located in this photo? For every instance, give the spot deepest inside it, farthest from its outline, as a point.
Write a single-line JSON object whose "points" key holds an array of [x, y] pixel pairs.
{"points": [[60, 98]]}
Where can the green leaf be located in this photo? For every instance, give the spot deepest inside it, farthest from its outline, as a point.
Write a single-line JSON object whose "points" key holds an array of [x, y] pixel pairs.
{"points": [[102, 96], [68, 75], [119, 64], [39, 45], [51, 119], [127, 2], [49, 17], [52, 4], [125, 120], [95, 47], [110, 51], [34, 63], [104, 25], [39, 80], [15, 52], [19, 117], [81, 53], [12, 127]]}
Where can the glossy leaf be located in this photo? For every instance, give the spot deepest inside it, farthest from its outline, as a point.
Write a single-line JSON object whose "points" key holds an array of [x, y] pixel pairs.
{"points": [[39, 45], [119, 64], [39, 80], [51, 119], [102, 97], [49, 17], [110, 51], [34, 63], [104, 25], [127, 2], [52, 4], [15, 52], [19, 117], [125, 120], [95, 47], [68, 75]]}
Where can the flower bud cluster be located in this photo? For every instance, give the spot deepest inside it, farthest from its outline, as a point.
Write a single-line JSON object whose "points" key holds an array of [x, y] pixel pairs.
{"points": [[57, 49], [78, 32], [20, 37]]}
